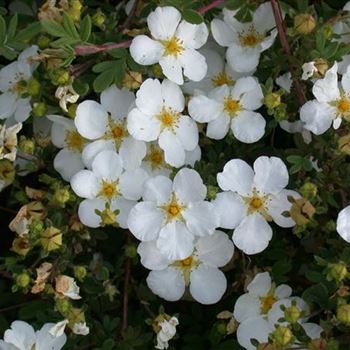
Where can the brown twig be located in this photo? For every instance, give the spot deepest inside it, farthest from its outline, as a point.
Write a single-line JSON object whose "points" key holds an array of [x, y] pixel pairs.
{"points": [[128, 20], [6, 275], [90, 49], [11, 211], [206, 8], [79, 69], [285, 46], [14, 307]]}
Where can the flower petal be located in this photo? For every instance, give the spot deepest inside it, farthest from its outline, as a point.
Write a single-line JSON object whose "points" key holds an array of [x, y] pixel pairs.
{"points": [[343, 224], [91, 120], [242, 59], [151, 257], [248, 91], [222, 33], [131, 183], [132, 152], [326, 89], [172, 96], [85, 184], [246, 306], [230, 208], [193, 36], [145, 221], [218, 128], [87, 214], [194, 64], [124, 207], [203, 109], [158, 189], [67, 163], [172, 69], [215, 250], [187, 133], [21, 335], [175, 241], [252, 235], [7, 105], [44, 340], [188, 186], [149, 99], [271, 174], [260, 285], [91, 150], [146, 51], [168, 284], [248, 126], [174, 152], [237, 176], [107, 165]]}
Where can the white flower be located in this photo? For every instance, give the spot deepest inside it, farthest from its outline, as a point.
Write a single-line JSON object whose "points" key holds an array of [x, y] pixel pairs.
{"points": [[12, 85], [158, 116], [8, 141], [172, 213], [105, 184], [154, 161], [199, 271], [21, 336], [66, 286], [296, 127], [68, 161], [173, 46], [66, 94], [253, 197], [343, 224], [218, 74], [309, 69], [262, 329], [261, 296], [81, 328], [285, 81], [245, 41], [233, 108], [331, 104], [58, 329], [166, 333], [105, 124]]}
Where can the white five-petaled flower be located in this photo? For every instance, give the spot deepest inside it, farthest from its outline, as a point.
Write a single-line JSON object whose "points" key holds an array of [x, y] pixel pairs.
{"points": [[226, 108], [331, 105], [245, 41], [167, 332], [105, 124], [343, 224], [173, 213], [253, 197], [219, 73], [13, 78], [261, 295], [21, 336], [64, 135], [107, 184], [158, 116], [199, 271], [173, 46]]}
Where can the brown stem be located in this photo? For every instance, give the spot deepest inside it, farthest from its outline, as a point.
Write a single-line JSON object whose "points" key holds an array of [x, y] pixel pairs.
{"points": [[126, 290], [142, 302], [128, 20], [6, 275], [14, 307], [90, 49], [285, 46], [79, 69], [8, 210], [213, 4]]}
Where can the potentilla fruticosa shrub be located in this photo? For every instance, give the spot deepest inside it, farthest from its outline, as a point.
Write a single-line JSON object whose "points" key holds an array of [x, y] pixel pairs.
{"points": [[175, 174]]}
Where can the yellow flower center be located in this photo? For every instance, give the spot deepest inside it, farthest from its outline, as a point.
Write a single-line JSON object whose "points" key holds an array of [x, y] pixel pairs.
{"points": [[168, 118], [109, 189], [173, 47], [222, 79], [256, 202], [74, 141], [250, 38], [186, 262], [186, 266], [117, 131], [266, 303], [173, 209], [231, 106], [343, 106]]}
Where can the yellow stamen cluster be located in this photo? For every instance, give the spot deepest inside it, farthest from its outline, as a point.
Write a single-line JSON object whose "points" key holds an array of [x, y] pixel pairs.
{"points": [[117, 131], [173, 209], [222, 79], [266, 303], [74, 141], [343, 106], [109, 189], [251, 37], [231, 106], [168, 118], [173, 47]]}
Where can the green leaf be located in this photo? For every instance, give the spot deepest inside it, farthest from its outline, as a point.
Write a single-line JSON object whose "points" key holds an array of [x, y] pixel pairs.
{"points": [[53, 28], [8, 53], [69, 27], [11, 31], [102, 66], [2, 31], [28, 32], [103, 81], [192, 16], [85, 28], [317, 294], [118, 53], [81, 88], [233, 4]]}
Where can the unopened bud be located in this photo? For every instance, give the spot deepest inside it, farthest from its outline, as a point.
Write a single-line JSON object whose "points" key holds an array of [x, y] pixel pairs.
{"points": [[304, 23]]}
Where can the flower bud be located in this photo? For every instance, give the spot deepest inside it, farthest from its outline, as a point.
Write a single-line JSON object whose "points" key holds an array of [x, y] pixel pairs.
{"points": [[80, 272], [282, 336], [61, 196], [108, 216], [23, 280], [39, 109], [272, 100], [51, 239], [132, 80], [7, 172], [43, 42], [292, 314], [63, 305], [157, 70], [304, 23], [221, 328], [308, 190], [343, 314], [26, 145], [99, 18], [212, 191], [72, 109], [318, 344], [60, 76], [21, 246], [344, 144], [33, 87], [337, 272]]}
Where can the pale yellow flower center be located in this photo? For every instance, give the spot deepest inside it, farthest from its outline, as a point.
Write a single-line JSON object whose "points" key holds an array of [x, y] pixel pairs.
{"points": [[257, 203], [343, 106], [168, 118], [266, 303], [251, 37], [74, 141], [109, 189], [173, 46], [173, 209], [116, 131], [222, 79], [231, 106], [186, 266]]}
